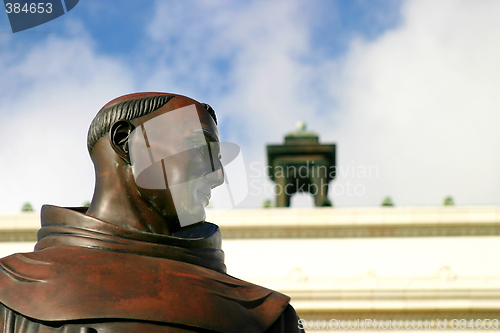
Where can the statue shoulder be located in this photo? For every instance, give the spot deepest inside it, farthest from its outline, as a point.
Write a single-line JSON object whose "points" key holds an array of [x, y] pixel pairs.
{"points": [[288, 322]]}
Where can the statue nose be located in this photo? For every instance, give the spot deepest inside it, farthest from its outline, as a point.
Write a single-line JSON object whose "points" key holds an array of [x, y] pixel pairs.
{"points": [[215, 178]]}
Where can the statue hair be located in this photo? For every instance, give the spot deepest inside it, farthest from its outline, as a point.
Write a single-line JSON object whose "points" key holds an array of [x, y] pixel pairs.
{"points": [[128, 110]]}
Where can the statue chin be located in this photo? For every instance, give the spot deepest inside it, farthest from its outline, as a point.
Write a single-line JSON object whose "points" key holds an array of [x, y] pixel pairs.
{"points": [[191, 215], [190, 199]]}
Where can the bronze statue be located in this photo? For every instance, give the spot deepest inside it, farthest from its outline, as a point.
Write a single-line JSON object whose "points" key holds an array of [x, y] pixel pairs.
{"points": [[141, 258]]}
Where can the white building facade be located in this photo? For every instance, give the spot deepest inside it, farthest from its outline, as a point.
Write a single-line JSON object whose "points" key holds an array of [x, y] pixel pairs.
{"points": [[371, 268]]}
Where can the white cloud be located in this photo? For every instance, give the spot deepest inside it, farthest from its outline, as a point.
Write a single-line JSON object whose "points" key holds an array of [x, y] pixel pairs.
{"points": [[420, 104], [49, 96], [262, 43]]}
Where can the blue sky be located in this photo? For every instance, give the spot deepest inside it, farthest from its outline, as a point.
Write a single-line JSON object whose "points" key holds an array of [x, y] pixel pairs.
{"points": [[406, 89]]}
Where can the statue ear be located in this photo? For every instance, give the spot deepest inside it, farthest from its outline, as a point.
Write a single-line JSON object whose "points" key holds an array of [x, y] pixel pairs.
{"points": [[119, 135]]}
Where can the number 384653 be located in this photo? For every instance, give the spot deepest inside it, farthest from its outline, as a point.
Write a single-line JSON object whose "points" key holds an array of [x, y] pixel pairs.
{"points": [[484, 324], [29, 8]]}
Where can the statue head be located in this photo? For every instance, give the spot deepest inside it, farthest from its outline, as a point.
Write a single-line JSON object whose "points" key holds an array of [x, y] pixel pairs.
{"points": [[157, 158]]}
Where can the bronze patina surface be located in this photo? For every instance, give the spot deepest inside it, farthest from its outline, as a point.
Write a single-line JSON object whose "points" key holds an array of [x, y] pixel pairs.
{"points": [[126, 264]]}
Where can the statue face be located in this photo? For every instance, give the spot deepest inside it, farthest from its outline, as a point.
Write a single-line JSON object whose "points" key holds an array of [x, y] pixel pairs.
{"points": [[175, 160]]}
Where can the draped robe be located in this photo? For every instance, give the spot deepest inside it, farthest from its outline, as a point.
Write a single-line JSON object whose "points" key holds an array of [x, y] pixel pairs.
{"points": [[87, 275]]}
